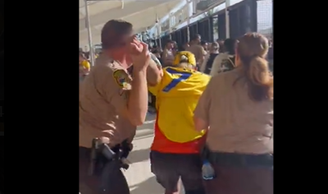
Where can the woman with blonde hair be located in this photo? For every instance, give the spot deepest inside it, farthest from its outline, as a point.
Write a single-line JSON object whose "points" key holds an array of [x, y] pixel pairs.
{"points": [[237, 110]]}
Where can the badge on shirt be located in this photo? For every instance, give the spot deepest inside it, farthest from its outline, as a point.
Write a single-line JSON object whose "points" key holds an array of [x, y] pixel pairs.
{"points": [[122, 79]]}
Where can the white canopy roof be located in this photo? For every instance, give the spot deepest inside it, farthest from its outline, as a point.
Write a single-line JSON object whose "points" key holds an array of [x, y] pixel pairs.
{"points": [[141, 13]]}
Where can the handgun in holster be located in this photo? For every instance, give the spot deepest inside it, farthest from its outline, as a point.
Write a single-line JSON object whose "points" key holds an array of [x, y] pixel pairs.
{"points": [[105, 160]]}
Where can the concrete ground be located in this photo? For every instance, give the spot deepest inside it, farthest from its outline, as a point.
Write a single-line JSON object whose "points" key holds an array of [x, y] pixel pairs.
{"points": [[139, 177]]}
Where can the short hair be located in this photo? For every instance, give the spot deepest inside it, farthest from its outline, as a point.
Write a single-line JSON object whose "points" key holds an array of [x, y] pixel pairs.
{"points": [[195, 37], [230, 45], [113, 31], [203, 42], [215, 46], [169, 41]]}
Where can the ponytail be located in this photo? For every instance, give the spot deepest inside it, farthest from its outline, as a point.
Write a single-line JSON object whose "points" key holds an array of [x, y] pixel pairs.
{"points": [[260, 81]]}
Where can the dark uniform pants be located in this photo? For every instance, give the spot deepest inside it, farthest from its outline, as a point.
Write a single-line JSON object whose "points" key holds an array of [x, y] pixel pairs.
{"points": [[241, 174], [90, 184], [168, 168], [241, 180]]}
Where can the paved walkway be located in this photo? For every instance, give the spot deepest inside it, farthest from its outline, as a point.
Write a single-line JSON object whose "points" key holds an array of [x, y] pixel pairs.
{"points": [[139, 177]]}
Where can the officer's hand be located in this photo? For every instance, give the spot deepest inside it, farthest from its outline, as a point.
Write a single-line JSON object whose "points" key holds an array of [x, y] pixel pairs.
{"points": [[135, 46], [139, 54], [109, 136], [104, 140]]}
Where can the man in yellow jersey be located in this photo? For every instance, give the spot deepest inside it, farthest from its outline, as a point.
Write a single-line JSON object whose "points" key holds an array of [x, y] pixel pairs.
{"points": [[175, 149]]}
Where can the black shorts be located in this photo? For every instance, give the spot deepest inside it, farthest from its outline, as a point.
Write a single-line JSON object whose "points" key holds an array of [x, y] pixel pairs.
{"points": [[168, 168]]}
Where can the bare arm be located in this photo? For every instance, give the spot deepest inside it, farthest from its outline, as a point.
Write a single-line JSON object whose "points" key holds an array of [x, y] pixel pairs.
{"points": [[132, 102], [154, 72], [203, 66], [201, 113], [130, 98], [164, 56], [138, 98], [202, 53]]}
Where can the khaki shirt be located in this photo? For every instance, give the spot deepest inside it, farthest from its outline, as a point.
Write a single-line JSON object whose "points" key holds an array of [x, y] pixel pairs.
{"points": [[102, 96], [237, 124], [198, 51]]}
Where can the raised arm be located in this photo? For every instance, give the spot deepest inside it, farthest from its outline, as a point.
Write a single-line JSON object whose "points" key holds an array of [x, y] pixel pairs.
{"points": [[154, 71]]}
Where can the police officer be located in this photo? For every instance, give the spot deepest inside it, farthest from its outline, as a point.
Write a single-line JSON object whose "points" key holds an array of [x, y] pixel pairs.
{"points": [[237, 108], [112, 101]]}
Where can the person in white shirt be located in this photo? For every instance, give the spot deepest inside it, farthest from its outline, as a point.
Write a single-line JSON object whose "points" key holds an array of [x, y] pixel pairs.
{"points": [[225, 61], [168, 53], [196, 49], [212, 54]]}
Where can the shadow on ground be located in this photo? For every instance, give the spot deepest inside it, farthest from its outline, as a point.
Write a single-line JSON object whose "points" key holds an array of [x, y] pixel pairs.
{"points": [[139, 155], [150, 116], [149, 186], [146, 126], [147, 129]]}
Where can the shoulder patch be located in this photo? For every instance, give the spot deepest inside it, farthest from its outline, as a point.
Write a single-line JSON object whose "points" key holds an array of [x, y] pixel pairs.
{"points": [[122, 79]]}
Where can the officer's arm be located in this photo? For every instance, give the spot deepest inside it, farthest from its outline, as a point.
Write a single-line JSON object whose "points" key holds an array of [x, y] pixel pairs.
{"points": [[154, 71], [201, 113], [132, 104], [164, 57]]}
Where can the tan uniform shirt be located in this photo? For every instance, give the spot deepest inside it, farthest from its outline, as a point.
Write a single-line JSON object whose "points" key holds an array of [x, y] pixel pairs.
{"points": [[198, 51], [237, 124], [102, 95]]}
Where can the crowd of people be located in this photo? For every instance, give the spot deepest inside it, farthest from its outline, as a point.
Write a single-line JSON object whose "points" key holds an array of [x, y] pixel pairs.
{"points": [[212, 57], [214, 105], [205, 53]]}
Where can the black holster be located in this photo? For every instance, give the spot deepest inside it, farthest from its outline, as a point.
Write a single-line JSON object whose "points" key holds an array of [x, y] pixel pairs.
{"points": [[106, 160]]}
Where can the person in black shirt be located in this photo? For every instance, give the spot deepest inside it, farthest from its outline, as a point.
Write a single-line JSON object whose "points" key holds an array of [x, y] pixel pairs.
{"points": [[214, 51]]}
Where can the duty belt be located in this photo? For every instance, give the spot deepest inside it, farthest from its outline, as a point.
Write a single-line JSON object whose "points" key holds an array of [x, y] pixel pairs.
{"points": [[104, 159]]}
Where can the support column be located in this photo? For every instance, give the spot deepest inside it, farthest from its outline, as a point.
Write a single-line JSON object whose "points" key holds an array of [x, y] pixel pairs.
{"points": [[227, 21], [249, 16]]}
